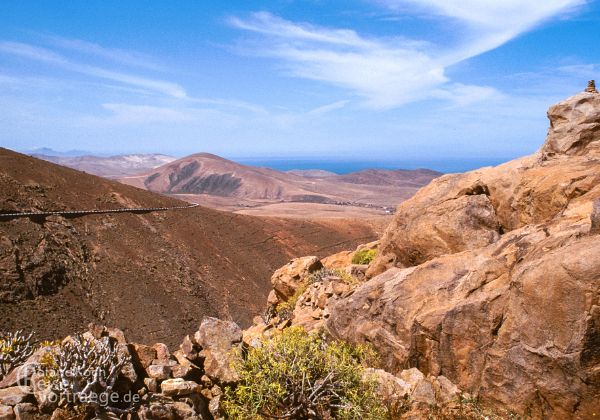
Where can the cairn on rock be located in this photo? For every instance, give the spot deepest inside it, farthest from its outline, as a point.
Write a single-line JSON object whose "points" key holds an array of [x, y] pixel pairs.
{"points": [[591, 87]]}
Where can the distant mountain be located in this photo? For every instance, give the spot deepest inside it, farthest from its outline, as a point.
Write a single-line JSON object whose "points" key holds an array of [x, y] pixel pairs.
{"points": [[111, 166], [51, 152], [208, 174], [416, 177], [311, 173]]}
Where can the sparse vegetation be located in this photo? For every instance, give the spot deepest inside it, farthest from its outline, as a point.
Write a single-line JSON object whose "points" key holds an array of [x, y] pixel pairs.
{"points": [[325, 272], [284, 310], [83, 372], [364, 256], [15, 349], [297, 375]]}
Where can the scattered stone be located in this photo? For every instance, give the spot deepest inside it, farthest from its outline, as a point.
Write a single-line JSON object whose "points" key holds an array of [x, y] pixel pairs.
{"points": [[423, 393], [412, 376], [22, 374], [389, 387], [26, 411], [445, 390], [162, 351], [46, 398], [189, 348], [159, 372], [6, 412], [214, 406], [178, 387], [183, 410], [157, 411], [151, 384], [144, 355], [15, 395]]}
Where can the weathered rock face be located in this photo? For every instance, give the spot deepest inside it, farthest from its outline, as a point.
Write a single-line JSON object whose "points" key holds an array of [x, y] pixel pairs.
{"points": [[512, 317], [288, 278], [574, 125], [461, 212]]}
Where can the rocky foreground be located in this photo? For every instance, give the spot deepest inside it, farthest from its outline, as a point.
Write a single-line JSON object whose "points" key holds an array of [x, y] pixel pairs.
{"points": [[492, 278], [483, 300]]}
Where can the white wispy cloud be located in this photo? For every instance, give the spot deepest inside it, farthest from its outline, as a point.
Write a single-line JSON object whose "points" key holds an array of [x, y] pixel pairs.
{"points": [[51, 57], [141, 114], [328, 108], [117, 55], [389, 72]]}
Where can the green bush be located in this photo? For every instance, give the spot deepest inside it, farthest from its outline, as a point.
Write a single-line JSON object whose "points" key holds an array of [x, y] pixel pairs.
{"points": [[297, 375], [364, 256]]}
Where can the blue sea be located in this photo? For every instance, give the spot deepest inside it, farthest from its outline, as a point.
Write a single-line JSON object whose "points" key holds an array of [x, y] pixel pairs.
{"points": [[347, 166]]}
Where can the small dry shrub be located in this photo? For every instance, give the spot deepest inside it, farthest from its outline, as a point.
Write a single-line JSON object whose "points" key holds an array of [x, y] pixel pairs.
{"points": [[297, 375]]}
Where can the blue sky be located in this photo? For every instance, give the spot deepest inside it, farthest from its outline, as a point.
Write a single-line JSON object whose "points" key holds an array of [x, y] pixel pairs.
{"points": [[368, 79]]}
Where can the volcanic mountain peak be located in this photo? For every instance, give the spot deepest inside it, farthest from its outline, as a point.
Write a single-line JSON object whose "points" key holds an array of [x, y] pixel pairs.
{"points": [[207, 174]]}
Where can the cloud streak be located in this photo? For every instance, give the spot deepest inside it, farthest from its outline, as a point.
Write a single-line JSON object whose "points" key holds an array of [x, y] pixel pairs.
{"points": [[117, 55], [388, 73], [50, 57]]}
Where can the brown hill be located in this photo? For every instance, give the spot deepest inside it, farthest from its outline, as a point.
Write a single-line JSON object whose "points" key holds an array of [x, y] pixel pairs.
{"points": [[128, 270], [206, 174], [111, 166]]}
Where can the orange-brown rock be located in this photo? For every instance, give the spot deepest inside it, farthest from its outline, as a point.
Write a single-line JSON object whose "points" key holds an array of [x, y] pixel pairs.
{"points": [[338, 261], [510, 314], [574, 125], [288, 278], [459, 212]]}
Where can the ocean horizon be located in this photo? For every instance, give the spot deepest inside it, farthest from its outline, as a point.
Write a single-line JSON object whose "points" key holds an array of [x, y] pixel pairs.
{"points": [[340, 166]]}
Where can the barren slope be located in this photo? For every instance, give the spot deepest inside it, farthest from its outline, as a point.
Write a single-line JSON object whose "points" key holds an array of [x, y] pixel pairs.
{"points": [[128, 270], [205, 174]]}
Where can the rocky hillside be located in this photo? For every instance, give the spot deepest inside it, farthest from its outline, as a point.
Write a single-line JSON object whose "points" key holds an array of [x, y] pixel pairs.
{"points": [[490, 279], [58, 274]]}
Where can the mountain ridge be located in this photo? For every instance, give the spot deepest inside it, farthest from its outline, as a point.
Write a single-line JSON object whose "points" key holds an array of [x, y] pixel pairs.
{"points": [[62, 273]]}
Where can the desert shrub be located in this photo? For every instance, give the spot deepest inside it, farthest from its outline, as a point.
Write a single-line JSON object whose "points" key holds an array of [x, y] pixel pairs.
{"points": [[15, 349], [83, 372], [325, 272], [297, 375], [319, 275], [364, 256]]}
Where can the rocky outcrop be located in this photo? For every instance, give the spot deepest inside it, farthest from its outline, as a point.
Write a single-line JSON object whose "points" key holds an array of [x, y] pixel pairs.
{"points": [[460, 212], [574, 126], [492, 278], [288, 278]]}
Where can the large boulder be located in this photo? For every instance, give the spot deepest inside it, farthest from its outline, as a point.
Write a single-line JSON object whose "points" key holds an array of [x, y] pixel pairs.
{"points": [[221, 345], [574, 126], [287, 279], [460, 212], [516, 322]]}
